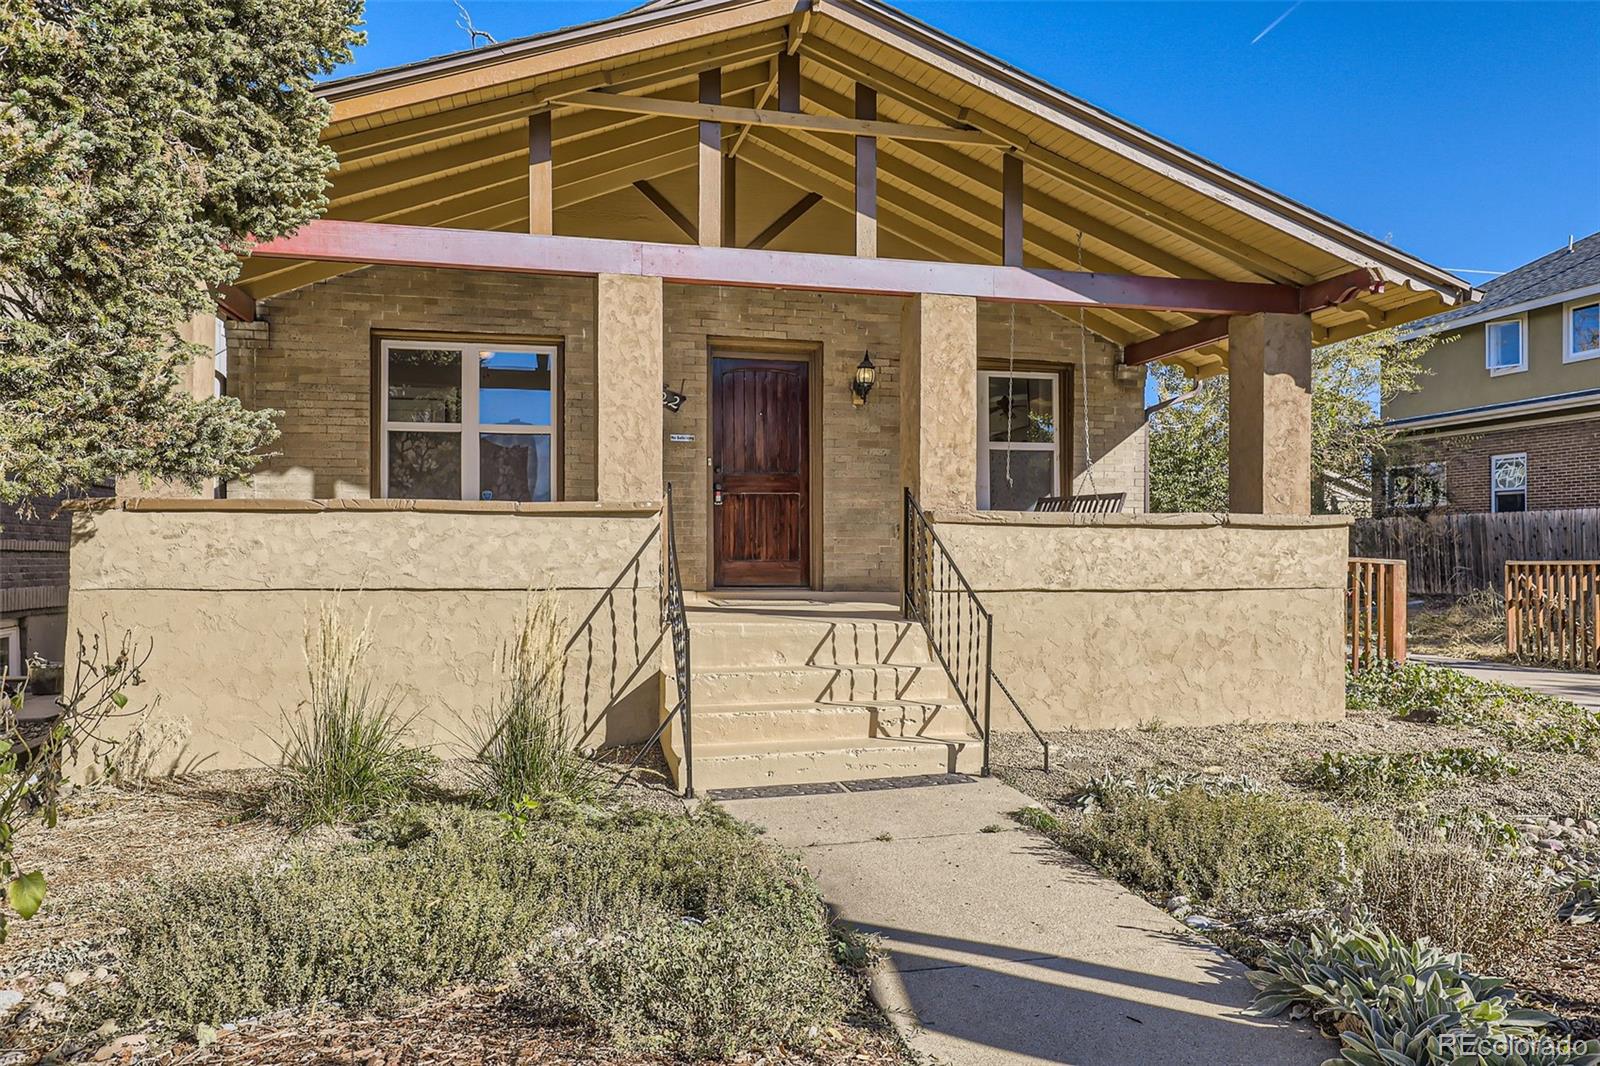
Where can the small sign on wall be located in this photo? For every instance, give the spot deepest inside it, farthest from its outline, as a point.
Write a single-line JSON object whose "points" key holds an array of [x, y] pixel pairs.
{"points": [[681, 438]]}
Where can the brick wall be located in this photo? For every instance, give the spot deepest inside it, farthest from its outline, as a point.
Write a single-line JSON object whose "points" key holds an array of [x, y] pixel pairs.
{"points": [[310, 357], [1563, 463], [34, 543]]}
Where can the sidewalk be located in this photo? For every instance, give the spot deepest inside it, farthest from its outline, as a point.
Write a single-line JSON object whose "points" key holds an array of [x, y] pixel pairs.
{"points": [[1581, 688], [1005, 951]]}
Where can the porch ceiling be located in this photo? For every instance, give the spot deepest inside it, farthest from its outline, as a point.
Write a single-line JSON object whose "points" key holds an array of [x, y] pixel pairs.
{"points": [[444, 143]]}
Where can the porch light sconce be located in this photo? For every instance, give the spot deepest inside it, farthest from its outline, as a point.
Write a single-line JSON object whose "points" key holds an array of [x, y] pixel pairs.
{"points": [[866, 377]]}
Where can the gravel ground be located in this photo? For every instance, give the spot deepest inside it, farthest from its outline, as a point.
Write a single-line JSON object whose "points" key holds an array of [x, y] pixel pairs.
{"points": [[1279, 754], [1563, 974]]}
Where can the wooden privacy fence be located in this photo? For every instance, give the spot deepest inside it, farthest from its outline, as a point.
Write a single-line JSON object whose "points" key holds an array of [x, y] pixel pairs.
{"points": [[1551, 611], [1449, 555], [1375, 612]]}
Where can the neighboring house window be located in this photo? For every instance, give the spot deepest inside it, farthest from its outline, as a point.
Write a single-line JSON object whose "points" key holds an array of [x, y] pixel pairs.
{"points": [[469, 421], [10, 651], [1415, 488], [1505, 352], [1018, 454], [1508, 482], [1583, 331]]}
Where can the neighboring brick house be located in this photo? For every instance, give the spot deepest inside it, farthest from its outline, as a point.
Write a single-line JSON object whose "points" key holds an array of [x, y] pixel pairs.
{"points": [[33, 583], [1509, 418]]}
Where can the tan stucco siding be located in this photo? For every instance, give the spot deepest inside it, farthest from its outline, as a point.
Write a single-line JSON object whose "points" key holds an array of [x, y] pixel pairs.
{"points": [[1186, 619], [1458, 378], [225, 598]]}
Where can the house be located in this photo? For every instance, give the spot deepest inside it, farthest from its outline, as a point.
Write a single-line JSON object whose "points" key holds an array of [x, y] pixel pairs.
{"points": [[780, 314], [1509, 417]]}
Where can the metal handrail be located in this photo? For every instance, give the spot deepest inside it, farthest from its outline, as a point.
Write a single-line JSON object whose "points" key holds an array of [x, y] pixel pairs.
{"points": [[960, 634], [675, 619]]}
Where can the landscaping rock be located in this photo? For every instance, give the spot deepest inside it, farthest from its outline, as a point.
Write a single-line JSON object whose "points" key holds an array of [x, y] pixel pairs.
{"points": [[1200, 921], [10, 1000], [56, 990]]}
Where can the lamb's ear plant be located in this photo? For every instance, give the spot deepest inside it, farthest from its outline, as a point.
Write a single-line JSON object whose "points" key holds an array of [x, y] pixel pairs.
{"points": [[526, 745], [346, 756]]}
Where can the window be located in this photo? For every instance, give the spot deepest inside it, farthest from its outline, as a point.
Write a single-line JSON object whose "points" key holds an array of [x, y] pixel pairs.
{"points": [[1018, 453], [10, 651], [1583, 331], [1415, 488], [469, 421], [1508, 482], [1503, 347]]}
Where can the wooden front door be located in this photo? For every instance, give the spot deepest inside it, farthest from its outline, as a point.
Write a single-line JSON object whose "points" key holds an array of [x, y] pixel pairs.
{"points": [[761, 471]]}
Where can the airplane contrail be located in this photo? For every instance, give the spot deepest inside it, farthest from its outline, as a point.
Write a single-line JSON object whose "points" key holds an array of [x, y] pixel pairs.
{"points": [[1274, 23]]}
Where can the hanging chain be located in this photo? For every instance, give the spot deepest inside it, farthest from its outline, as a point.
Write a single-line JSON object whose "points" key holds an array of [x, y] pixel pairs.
{"points": [[1011, 392], [1083, 364]]}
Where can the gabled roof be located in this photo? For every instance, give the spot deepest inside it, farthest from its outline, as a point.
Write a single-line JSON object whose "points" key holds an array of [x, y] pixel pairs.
{"points": [[1571, 270], [442, 142]]}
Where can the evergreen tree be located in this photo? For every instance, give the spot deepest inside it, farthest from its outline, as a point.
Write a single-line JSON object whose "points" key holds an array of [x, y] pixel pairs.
{"points": [[143, 145]]}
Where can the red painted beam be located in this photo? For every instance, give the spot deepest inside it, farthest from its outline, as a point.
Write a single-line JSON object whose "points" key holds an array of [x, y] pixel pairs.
{"points": [[1204, 332], [1313, 297], [330, 240], [235, 303]]}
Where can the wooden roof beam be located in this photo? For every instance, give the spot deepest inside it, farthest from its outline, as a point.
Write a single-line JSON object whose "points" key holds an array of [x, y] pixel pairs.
{"points": [[789, 217], [934, 201], [1315, 297], [524, 253], [901, 160], [1086, 180], [783, 119]]}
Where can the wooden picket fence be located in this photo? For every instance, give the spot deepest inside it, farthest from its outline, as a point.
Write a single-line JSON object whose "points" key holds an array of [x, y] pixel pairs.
{"points": [[1552, 611], [1375, 612], [1453, 554]]}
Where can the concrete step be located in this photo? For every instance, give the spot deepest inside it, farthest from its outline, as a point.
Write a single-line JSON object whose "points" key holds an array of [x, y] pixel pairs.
{"points": [[823, 721], [720, 642], [745, 765], [791, 686]]}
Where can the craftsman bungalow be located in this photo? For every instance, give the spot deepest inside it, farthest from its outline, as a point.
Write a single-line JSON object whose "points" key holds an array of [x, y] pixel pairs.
{"points": [[861, 296]]}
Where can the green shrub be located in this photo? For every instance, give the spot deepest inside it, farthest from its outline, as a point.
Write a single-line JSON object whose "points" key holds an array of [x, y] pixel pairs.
{"points": [[1459, 894], [1405, 775], [1520, 719], [1392, 1000], [346, 757], [1239, 852], [687, 906], [653, 980], [526, 747]]}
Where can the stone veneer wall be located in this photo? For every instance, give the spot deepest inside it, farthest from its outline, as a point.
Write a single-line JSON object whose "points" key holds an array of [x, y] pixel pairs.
{"points": [[224, 590], [310, 357], [1108, 621]]}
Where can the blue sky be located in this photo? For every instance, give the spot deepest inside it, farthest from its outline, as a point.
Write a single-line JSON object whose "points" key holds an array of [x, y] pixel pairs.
{"points": [[1466, 133]]}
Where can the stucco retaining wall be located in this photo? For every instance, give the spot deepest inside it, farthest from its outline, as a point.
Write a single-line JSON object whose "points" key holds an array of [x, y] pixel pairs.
{"points": [[225, 591], [1109, 621]]}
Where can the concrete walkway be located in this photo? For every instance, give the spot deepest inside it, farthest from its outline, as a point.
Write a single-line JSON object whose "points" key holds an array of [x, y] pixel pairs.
{"points": [[1581, 688], [1005, 951]]}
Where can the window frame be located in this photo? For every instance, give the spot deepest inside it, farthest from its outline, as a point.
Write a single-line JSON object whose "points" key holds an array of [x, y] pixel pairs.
{"points": [[1569, 354], [13, 665], [1494, 492], [470, 427], [1521, 322], [1060, 378]]}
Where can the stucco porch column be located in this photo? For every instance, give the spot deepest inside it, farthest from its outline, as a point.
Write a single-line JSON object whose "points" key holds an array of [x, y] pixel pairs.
{"points": [[1269, 404], [628, 375], [939, 400]]}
